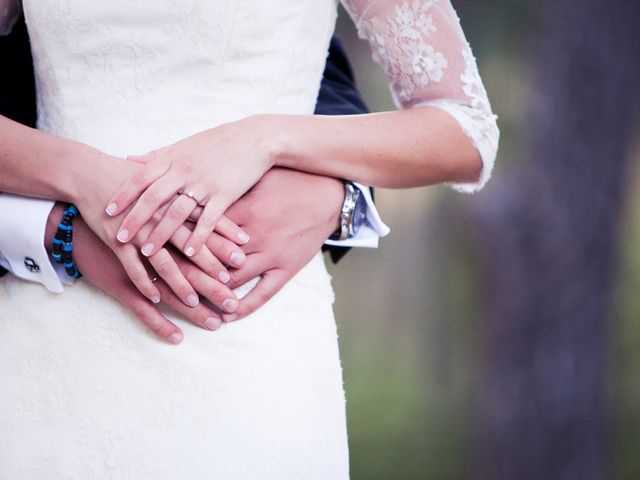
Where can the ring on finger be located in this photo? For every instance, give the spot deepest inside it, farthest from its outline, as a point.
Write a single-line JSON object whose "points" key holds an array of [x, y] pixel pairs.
{"points": [[191, 194]]}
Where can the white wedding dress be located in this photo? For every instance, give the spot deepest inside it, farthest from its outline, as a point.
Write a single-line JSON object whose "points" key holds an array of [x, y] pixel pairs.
{"points": [[85, 392]]}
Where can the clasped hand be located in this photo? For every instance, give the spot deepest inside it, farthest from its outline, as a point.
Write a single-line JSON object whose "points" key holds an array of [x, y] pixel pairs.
{"points": [[220, 165], [211, 169]]}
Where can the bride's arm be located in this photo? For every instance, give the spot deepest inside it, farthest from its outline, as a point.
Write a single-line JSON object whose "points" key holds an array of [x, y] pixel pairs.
{"points": [[37, 164], [447, 132], [429, 64], [416, 147]]}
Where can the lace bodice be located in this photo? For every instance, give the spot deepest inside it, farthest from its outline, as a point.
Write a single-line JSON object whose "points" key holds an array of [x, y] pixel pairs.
{"points": [[419, 44]]}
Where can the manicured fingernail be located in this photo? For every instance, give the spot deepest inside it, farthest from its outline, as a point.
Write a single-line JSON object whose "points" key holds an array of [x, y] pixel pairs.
{"points": [[147, 249], [175, 338], [230, 318], [123, 235], [155, 299], [244, 238], [230, 304], [236, 258], [224, 277], [111, 209], [190, 251], [212, 323], [192, 300]]}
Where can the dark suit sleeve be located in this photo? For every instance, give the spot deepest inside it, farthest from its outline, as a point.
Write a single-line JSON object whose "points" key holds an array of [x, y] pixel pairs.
{"points": [[338, 96], [17, 89]]}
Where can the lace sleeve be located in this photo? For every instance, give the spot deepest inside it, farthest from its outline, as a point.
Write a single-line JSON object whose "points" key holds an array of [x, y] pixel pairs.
{"points": [[425, 55], [9, 13]]}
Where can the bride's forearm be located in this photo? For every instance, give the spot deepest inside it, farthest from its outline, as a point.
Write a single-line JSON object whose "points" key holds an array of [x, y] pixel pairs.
{"points": [[38, 164], [408, 148]]}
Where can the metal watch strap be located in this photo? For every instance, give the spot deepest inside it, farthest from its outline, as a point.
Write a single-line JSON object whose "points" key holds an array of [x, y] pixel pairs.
{"points": [[346, 213]]}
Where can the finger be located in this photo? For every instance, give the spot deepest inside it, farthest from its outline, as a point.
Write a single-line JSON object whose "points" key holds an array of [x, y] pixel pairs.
{"points": [[166, 267], [205, 259], [212, 212], [214, 291], [173, 218], [256, 265], [199, 315], [132, 263], [227, 228], [133, 187], [151, 317], [226, 251], [195, 215], [159, 193], [270, 284]]}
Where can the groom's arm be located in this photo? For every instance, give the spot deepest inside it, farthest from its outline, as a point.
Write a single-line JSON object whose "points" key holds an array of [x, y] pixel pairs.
{"points": [[22, 220], [289, 214], [339, 96]]}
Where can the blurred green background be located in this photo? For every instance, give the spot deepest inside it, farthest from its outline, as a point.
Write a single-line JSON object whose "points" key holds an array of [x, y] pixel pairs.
{"points": [[410, 312]]}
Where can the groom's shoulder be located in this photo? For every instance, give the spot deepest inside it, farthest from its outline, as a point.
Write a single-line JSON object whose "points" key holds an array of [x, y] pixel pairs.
{"points": [[17, 89]]}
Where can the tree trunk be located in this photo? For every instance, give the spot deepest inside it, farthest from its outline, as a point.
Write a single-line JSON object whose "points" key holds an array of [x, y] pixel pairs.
{"points": [[547, 235]]}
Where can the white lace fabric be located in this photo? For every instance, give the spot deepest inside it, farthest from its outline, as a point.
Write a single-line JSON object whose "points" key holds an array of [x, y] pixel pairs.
{"points": [[428, 61]]}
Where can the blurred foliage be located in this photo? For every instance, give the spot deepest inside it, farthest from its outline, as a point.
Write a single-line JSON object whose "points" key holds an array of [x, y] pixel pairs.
{"points": [[408, 312]]}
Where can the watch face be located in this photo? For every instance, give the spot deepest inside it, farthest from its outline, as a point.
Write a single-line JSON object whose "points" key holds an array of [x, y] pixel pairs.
{"points": [[359, 214]]}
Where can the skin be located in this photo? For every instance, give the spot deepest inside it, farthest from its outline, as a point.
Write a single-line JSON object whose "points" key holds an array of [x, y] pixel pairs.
{"points": [[409, 148], [420, 146], [262, 213], [42, 165], [288, 225]]}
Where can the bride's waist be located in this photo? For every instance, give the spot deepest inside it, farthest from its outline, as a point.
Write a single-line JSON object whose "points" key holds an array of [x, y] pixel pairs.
{"points": [[125, 123], [138, 128]]}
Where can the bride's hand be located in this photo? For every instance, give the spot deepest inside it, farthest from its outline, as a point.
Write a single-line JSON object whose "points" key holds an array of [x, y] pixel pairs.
{"points": [[90, 200], [211, 169]]}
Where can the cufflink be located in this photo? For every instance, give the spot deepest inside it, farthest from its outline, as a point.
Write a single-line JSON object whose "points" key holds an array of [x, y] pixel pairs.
{"points": [[31, 265]]}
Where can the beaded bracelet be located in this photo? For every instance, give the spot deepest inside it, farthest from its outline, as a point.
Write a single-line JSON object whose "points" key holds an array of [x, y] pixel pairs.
{"points": [[63, 242]]}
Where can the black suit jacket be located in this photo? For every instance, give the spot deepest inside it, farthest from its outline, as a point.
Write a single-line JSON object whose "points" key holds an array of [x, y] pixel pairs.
{"points": [[338, 94]]}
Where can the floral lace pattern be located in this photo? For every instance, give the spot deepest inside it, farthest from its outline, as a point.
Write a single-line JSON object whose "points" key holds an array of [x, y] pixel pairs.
{"points": [[423, 51]]}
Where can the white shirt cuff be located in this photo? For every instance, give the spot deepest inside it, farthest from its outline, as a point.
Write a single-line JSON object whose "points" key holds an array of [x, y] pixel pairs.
{"points": [[371, 230], [23, 222]]}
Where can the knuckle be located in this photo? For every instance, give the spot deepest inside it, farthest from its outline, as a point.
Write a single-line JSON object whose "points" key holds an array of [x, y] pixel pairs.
{"points": [[138, 277], [151, 196], [248, 309], [161, 329], [166, 296], [216, 295], [207, 223], [139, 311], [140, 178], [183, 168], [189, 270], [266, 293], [164, 266], [177, 211], [236, 279]]}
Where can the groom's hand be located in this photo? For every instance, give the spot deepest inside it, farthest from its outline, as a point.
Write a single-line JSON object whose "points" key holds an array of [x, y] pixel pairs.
{"points": [[101, 267], [288, 215]]}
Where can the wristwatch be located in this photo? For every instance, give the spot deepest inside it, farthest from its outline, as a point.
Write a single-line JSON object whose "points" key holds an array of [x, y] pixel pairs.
{"points": [[353, 213]]}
